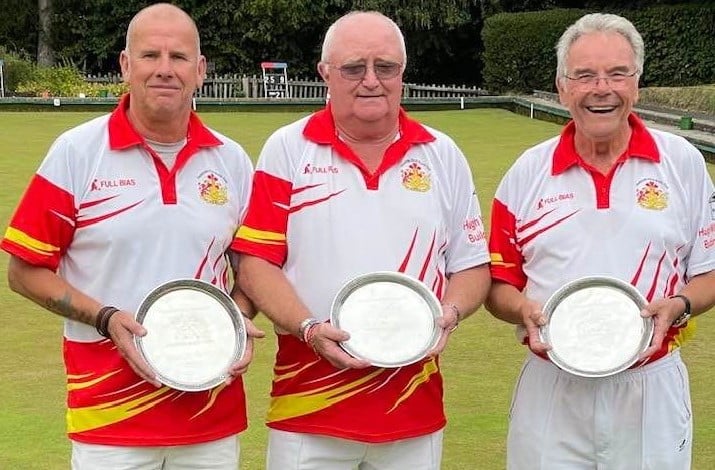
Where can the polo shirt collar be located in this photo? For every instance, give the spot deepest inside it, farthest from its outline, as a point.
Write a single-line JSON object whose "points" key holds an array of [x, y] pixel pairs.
{"points": [[321, 129], [641, 145], [122, 134]]}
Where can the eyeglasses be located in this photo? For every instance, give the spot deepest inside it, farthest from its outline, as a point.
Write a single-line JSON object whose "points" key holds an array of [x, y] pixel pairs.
{"points": [[616, 80], [382, 70]]}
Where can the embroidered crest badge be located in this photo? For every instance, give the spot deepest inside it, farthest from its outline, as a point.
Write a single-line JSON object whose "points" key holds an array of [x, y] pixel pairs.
{"points": [[416, 176], [652, 194], [213, 188]]}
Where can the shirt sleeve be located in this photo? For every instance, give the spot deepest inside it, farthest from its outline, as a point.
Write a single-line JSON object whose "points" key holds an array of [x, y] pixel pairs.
{"points": [[467, 237], [506, 258], [43, 224], [702, 254], [263, 231]]}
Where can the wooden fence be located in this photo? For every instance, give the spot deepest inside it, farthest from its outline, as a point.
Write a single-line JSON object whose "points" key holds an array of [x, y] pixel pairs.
{"points": [[230, 86]]}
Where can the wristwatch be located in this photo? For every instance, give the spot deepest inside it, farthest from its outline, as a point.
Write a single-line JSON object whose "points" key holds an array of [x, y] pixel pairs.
{"points": [[685, 316], [305, 326]]}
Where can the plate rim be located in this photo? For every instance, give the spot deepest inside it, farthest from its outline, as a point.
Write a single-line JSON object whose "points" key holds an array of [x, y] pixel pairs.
{"points": [[595, 281], [388, 276], [230, 307]]}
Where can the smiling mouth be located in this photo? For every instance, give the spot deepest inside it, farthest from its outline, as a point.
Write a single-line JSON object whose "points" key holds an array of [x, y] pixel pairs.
{"points": [[602, 109]]}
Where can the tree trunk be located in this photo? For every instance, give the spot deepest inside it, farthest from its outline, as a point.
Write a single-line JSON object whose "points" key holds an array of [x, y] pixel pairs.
{"points": [[45, 54]]}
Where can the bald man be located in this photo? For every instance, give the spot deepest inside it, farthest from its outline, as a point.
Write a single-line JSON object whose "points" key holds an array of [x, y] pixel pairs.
{"points": [[115, 209], [355, 188]]}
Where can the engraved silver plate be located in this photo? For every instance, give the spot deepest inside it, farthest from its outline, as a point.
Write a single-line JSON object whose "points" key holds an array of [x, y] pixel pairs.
{"points": [[195, 332], [391, 318], [594, 326]]}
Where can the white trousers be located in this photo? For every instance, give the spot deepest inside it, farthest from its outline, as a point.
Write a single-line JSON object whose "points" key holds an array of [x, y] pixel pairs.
{"points": [[636, 420], [297, 451], [221, 454]]}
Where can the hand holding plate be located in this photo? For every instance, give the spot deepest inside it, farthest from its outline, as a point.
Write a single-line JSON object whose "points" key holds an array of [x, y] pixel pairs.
{"points": [[534, 319], [447, 322], [241, 367], [325, 339], [122, 329], [663, 312]]}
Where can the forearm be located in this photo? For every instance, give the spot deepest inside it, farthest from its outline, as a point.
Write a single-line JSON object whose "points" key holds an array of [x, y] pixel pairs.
{"points": [[467, 289], [700, 290], [49, 290], [506, 302], [271, 292], [242, 301]]}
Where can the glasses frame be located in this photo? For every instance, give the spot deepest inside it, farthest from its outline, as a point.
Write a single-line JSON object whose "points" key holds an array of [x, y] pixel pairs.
{"points": [[592, 80], [379, 75]]}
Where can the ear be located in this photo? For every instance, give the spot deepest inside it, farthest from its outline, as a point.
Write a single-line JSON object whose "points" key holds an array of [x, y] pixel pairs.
{"points": [[324, 71], [201, 70], [563, 96], [124, 65]]}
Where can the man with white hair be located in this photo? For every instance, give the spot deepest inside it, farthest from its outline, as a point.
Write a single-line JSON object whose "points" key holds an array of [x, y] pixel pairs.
{"points": [[120, 205], [356, 188], [608, 197]]}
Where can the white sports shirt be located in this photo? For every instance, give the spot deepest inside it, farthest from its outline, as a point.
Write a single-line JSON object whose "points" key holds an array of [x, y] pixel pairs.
{"points": [[113, 221], [650, 221], [318, 213]]}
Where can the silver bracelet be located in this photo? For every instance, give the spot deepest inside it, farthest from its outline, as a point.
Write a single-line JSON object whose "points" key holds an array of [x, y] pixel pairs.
{"points": [[305, 326]]}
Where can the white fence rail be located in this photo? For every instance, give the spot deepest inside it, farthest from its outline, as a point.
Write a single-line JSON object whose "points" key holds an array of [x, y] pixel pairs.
{"points": [[230, 86]]}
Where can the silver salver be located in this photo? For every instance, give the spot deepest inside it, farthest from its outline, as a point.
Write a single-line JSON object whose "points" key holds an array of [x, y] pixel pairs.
{"points": [[391, 318], [594, 326], [195, 332]]}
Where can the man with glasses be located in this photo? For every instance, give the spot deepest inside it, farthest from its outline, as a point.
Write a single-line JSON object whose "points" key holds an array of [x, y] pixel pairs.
{"points": [[356, 188], [612, 197]]}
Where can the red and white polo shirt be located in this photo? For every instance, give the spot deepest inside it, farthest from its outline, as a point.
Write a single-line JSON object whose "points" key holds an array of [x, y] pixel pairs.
{"points": [[106, 214], [650, 221], [317, 212]]}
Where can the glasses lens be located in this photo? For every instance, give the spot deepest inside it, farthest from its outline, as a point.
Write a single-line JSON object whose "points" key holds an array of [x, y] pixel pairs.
{"points": [[353, 72], [383, 70], [387, 69], [615, 81]]}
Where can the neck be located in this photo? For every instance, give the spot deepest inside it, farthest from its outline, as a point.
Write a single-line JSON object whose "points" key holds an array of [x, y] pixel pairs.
{"points": [[159, 130], [377, 134], [602, 154]]}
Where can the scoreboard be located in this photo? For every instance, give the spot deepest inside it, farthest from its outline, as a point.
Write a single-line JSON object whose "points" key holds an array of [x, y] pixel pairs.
{"points": [[275, 79]]}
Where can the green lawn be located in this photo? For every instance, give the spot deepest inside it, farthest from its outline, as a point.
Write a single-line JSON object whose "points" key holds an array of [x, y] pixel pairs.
{"points": [[480, 365]]}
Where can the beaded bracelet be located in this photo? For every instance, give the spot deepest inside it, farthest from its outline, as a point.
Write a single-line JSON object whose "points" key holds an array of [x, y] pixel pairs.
{"points": [[101, 321], [305, 325]]}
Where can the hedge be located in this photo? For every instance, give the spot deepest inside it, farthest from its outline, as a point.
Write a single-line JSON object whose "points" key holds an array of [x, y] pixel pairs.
{"points": [[519, 54]]}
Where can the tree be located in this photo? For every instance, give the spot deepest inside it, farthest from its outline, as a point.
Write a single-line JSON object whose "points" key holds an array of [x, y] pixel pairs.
{"points": [[45, 54]]}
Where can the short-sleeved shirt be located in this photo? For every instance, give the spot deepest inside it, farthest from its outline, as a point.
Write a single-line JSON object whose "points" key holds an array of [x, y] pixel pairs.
{"points": [[649, 222], [319, 214], [106, 214]]}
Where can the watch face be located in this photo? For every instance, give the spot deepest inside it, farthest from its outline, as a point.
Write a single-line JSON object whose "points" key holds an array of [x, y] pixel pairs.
{"points": [[391, 318], [594, 326]]}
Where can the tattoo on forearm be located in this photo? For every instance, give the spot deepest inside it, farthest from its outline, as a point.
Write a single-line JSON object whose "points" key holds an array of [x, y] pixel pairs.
{"points": [[64, 307]]}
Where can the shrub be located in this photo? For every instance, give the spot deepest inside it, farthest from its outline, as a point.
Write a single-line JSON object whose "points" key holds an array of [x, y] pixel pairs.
{"points": [[66, 82], [519, 50], [16, 69]]}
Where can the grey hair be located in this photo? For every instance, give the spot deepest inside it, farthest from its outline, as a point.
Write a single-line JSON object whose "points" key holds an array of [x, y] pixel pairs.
{"points": [[599, 22], [330, 34], [163, 9]]}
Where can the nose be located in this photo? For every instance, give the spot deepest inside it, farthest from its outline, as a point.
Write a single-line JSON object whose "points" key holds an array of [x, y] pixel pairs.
{"points": [[603, 84], [165, 68], [370, 79]]}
